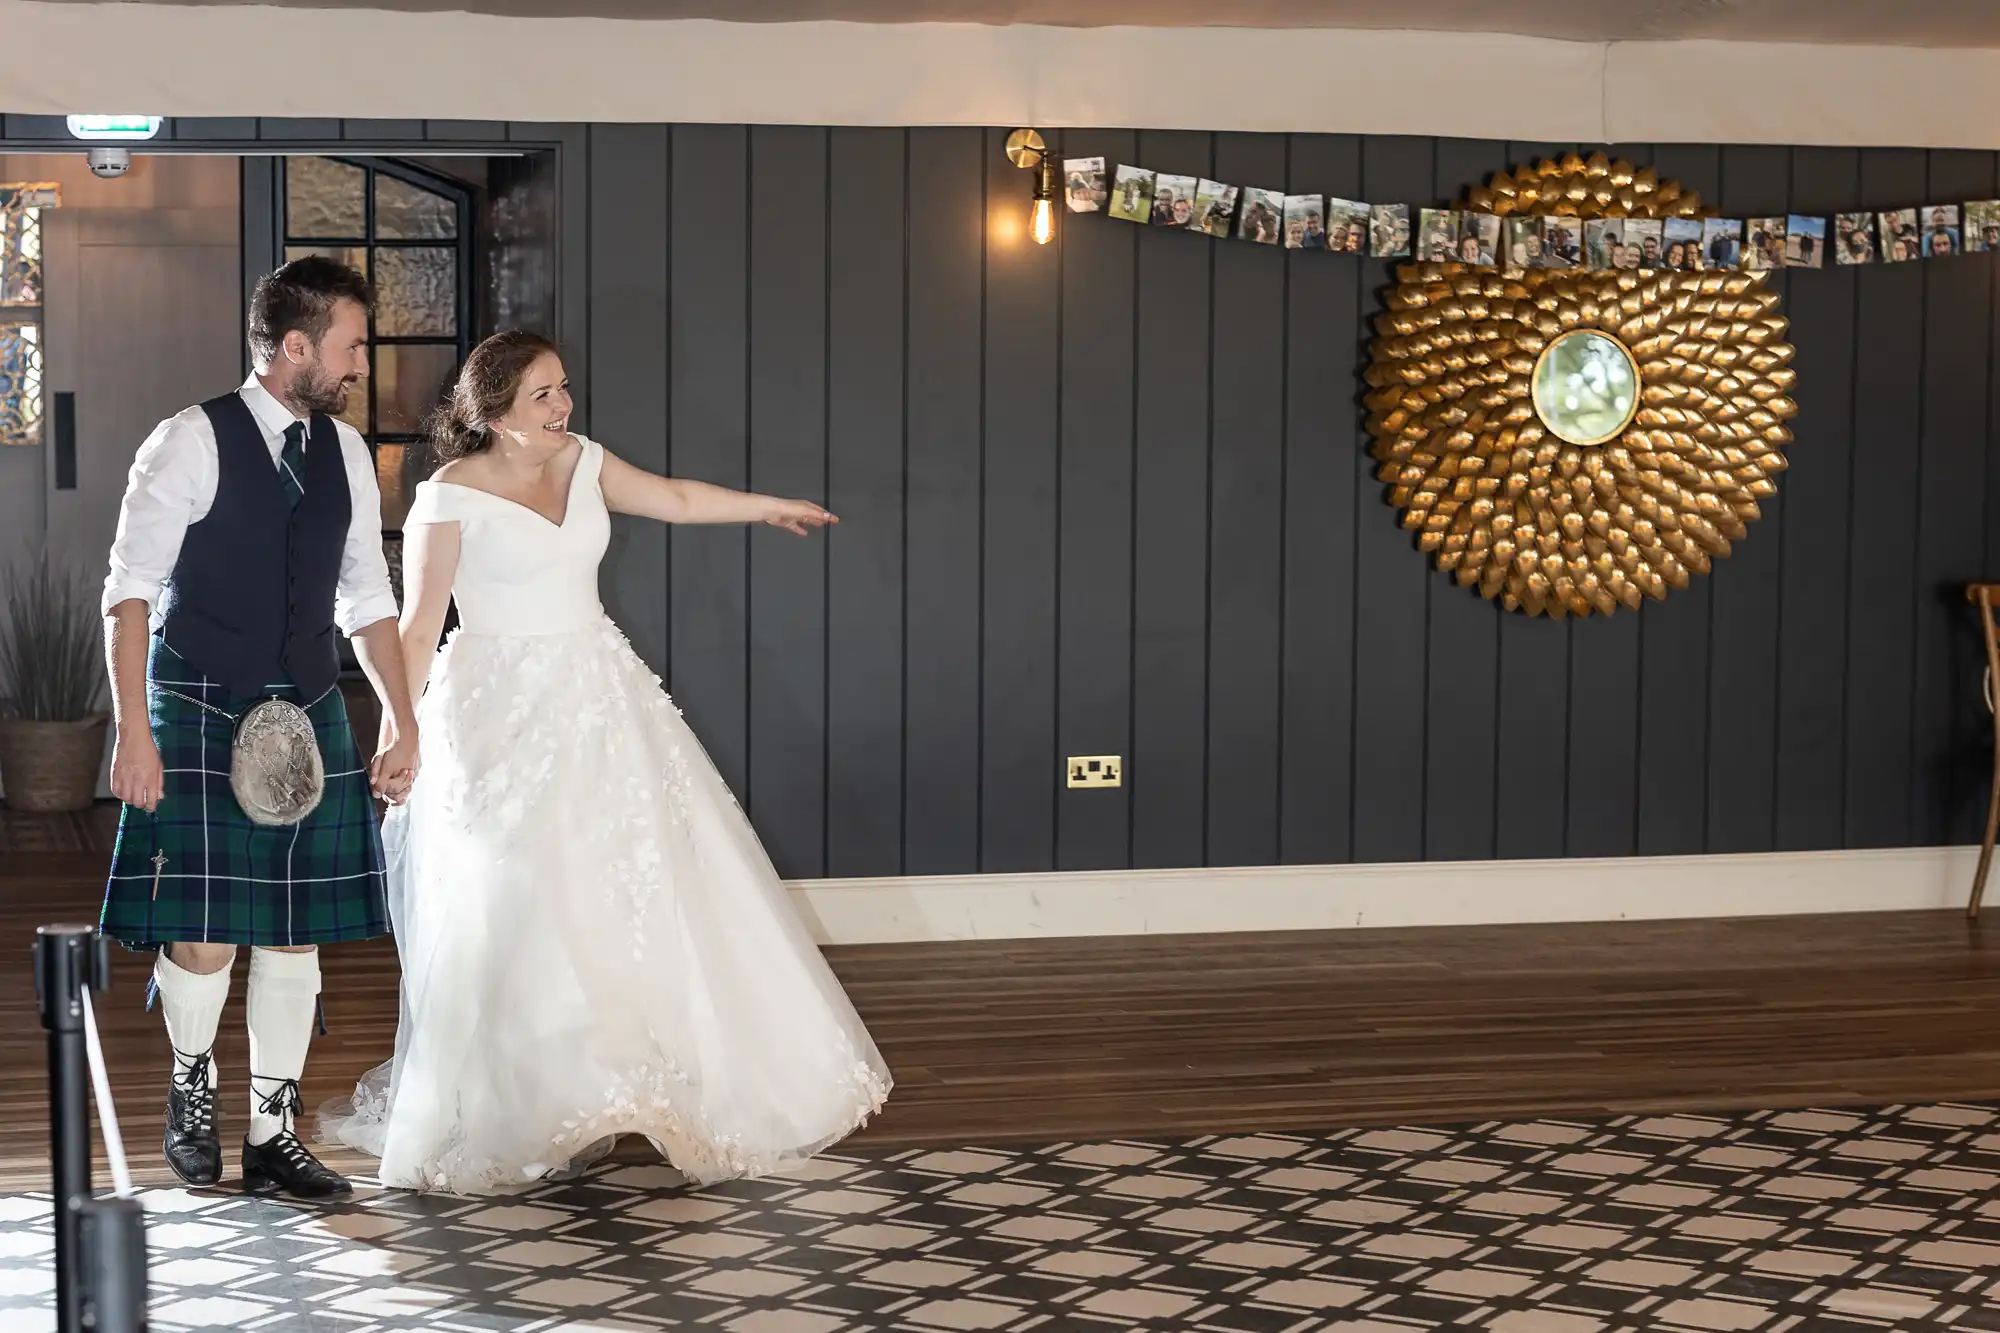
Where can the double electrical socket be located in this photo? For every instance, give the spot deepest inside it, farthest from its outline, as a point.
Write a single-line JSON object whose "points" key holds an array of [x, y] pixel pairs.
{"points": [[1096, 770]]}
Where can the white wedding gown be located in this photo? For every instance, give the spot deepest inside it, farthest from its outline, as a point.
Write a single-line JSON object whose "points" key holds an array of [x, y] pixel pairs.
{"points": [[593, 941]]}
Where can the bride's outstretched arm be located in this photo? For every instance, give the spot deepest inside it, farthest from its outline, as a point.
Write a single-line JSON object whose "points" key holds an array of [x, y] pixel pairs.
{"points": [[631, 490], [430, 561]]}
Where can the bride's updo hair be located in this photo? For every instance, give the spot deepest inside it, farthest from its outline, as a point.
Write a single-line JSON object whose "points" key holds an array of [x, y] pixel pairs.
{"points": [[485, 391]]}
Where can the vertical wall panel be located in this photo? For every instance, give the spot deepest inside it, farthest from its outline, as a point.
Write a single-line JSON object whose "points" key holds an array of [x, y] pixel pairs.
{"points": [[788, 312], [1812, 668], [945, 417], [709, 407], [1392, 581], [1603, 737], [1098, 447], [1743, 695], [1246, 520], [1168, 769], [1531, 731], [1954, 766], [1881, 628], [864, 716], [1323, 357], [628, 313], [1673, 646], [1020, 773], [1603, 722], [1463, 676], [1531, 738]]}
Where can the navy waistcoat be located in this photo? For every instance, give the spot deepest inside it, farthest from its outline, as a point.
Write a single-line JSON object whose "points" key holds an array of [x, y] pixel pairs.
{"points": [[250, 601]]}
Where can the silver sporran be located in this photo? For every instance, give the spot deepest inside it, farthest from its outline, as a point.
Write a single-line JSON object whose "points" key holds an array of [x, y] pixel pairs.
{"points": [[274, 766]]}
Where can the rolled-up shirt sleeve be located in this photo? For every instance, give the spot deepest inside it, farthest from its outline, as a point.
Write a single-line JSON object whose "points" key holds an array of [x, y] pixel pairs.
{"points": [[171, 485], [363, 595]]}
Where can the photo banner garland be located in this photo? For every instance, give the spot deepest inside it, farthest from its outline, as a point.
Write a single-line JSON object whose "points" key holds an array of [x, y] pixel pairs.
{"points": [[1586, 234]]}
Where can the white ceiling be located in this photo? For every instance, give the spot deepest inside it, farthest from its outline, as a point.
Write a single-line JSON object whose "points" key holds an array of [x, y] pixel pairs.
{"points": [[1935, 23], [244, 59]]}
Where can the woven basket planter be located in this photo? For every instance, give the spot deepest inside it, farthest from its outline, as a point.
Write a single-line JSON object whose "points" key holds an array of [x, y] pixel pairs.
{"points": [[51, 767]]}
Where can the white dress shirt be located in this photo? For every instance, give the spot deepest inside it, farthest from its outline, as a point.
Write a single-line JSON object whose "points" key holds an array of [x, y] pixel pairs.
{"points": [[172, 485]]}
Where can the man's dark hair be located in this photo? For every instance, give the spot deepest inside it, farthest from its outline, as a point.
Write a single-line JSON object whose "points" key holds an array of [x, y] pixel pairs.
{"points": [[301, 295]]}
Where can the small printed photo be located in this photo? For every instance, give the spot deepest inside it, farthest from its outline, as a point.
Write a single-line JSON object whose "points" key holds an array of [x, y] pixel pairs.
{"points": [[1805, 241], [1682, 237], [1722, 242], [1479, 239], [1437, 235], [1173, 200], [1899, 235], [1645, 243], [1524, 242], [1132, 195], [1305, 222], [1604, 243], [1261, 216], [1982, 226], [1764, 244], [1940, 223], [1562, 242], [1854, 238], [1389, 231], [1214, 208], [1085, 185], [1347, 226]]}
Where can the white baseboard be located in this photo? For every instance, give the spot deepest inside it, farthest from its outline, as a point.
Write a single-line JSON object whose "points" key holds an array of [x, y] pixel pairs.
{"points": [[1460, 893]]}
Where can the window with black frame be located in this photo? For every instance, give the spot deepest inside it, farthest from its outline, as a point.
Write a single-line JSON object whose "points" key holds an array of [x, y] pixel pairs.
{"points": [[21, 310], [410, 232]]}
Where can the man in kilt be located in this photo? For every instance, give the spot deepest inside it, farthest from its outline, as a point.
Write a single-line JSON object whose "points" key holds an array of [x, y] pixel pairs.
{"points": [[250, 533]]}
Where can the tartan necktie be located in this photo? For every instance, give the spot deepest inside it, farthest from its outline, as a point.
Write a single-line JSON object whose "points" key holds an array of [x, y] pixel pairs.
{"points": [[292, 462]]}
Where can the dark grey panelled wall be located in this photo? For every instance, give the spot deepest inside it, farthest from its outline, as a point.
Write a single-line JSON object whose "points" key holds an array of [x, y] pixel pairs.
{"points": [[1111, 496]]}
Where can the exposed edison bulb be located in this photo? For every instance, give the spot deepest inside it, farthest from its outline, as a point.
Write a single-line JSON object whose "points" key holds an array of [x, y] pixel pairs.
{"points": [[1043, 223]]}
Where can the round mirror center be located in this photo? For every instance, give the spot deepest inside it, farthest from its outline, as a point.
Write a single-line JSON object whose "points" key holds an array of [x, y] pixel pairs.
{"points": [[1586, 387]]}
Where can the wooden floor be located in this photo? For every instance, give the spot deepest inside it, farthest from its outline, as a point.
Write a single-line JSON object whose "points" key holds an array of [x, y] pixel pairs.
{"points": [[1090, 1039]]}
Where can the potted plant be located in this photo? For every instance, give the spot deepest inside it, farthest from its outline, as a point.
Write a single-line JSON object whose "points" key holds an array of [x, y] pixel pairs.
{"points": [[52, 720]]}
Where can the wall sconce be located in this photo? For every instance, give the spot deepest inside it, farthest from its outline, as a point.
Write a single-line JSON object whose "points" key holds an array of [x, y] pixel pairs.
{"points": [[1025, 149]]}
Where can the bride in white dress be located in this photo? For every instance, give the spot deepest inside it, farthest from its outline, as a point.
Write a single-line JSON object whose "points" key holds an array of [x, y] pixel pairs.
{"points": [[593, 941]]}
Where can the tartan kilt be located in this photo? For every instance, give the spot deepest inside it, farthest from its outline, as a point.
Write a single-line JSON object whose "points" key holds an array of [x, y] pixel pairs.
{"points": [[227, 880]]}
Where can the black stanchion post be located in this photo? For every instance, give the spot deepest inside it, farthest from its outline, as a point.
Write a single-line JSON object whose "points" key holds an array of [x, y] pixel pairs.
{"points": [[114, 1259], [64, 965]]}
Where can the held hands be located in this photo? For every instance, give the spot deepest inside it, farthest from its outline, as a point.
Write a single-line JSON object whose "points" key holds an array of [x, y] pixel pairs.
{"points": [[137, 776], [393, 770], [798, 516]]}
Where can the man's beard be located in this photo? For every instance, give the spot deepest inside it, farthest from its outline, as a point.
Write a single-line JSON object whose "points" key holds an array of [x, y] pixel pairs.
{"points": [[315, 390]]}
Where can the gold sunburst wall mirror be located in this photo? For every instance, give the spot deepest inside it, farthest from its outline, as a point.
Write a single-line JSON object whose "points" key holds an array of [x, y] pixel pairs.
{"points": [[1571, 442]]}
